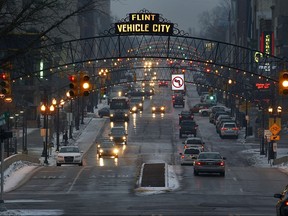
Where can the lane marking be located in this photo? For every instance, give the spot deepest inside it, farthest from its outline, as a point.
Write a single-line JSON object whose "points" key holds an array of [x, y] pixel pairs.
{"points": [[76, 178]]}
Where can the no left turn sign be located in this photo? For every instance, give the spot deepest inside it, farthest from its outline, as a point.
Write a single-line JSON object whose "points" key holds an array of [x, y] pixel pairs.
{"points": [[177, 82]]}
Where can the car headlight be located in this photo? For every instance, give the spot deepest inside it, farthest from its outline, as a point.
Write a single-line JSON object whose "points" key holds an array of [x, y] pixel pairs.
{"points": [[124, 137], [111, 137], [60, 157], [115, 151], [111, 115], [126, 114], [162, 108], [134, 108], [77, 157], [140, 104], [101, 151], [153, 108]]}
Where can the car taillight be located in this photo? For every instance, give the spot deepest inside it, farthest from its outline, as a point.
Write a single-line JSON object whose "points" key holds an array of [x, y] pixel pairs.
{"points": [[286, 203], [180, 116], [235, 129], [198, 163], [223, 128], [221, 163], [185, 146], [182, 156]]}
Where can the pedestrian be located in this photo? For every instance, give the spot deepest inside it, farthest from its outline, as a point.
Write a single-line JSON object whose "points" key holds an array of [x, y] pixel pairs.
{"points": [[65, 138], [50, 146]]}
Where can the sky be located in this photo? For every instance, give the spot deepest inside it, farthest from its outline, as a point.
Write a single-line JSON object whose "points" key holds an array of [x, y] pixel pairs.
{"points": [[183, 12]]}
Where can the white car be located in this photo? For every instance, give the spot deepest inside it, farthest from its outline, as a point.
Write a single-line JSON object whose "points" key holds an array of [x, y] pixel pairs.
{"points": [[69, 155], [208, 111], [189, 155]]}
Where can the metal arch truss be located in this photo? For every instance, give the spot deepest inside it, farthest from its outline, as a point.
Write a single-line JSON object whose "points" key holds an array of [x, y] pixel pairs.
{"points": [[174, 53]]}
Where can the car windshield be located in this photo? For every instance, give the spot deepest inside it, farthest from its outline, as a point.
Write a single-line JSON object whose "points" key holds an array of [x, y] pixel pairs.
{"points": [[209, 156], [229, 125], [185, 113], [117, 131], [192, 151], [193, 141], [188, 123], [69, 149]]}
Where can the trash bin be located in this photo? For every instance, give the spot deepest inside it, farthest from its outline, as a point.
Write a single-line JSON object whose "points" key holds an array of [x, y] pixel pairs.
{"points": [[249, 131]]}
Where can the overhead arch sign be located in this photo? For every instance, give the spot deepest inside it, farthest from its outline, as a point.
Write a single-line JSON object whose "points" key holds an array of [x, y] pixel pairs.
{"points": [[144, 23]]}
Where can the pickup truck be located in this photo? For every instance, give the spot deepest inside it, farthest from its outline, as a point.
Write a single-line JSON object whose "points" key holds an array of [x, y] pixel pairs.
{"points": [[188, 127]]}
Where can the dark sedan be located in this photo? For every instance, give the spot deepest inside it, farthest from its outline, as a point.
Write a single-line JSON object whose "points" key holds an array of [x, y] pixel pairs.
{"points": [[282, 204], [209, 162], [185, 115], [105, 111]]}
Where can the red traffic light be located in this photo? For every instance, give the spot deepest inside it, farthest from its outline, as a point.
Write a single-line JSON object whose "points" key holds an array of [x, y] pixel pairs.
{"points": [[3, 76], [72, 78]]}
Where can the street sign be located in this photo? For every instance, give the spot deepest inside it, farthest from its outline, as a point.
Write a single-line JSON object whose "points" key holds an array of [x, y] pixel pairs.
{"points": [[275, 129], [275, 137], [177, 81]]}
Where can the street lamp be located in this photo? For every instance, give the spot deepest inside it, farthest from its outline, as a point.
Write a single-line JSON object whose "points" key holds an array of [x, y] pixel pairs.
{"points": [[24, 132], [58, 106], [46, 110], [226, 92]]}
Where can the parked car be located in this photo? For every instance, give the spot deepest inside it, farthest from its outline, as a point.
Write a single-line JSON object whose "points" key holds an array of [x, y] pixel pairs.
{"points": [[229, 129], [220, 117], [214, 116], [220, 123], [282, 203], [199, 106], [189, 155], [194, 142], [209, 162], [69, 155], [185, 115], [105, 111], [188, 127]]}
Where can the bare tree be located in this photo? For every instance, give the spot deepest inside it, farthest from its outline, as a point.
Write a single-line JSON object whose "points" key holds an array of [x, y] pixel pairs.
{"points": [[50, 19]]}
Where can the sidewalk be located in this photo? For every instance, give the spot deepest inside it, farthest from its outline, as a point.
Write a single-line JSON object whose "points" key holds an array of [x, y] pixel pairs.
{"points": [[84, 137]]}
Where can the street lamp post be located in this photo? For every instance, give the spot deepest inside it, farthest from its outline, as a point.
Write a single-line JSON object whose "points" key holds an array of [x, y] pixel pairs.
{"points": [[46, 111], [58, 106]]}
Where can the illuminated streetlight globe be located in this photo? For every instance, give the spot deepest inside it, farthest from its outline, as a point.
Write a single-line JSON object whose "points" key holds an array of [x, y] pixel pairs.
{"points": [[285, 83]]}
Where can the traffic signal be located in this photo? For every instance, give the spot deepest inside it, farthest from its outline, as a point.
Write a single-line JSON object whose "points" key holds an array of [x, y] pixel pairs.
{"points": [[5, 84], [283, 83], [73, 86], [85, 85]]}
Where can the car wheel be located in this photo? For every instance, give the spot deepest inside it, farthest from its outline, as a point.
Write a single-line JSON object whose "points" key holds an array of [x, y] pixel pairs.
{"points": [[58, 164], [196, 173]]}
